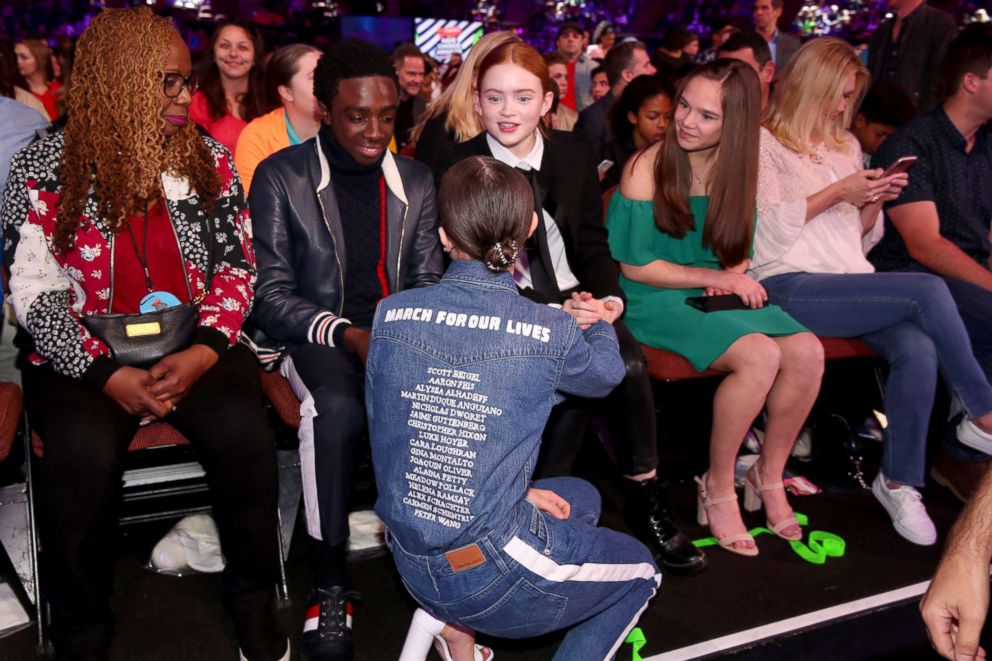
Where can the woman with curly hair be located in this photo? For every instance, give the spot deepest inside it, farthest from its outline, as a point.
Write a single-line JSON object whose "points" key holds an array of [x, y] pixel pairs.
{"points": [[231, 85], [130, 210]]}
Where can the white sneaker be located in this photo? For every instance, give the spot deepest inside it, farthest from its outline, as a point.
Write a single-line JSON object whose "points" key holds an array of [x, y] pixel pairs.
{"points": [[971, 435], [284, 657], [905, 506]]}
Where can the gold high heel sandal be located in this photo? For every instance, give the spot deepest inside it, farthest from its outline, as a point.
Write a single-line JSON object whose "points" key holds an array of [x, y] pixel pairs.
{"points": [[753, 502], [704, 502]]}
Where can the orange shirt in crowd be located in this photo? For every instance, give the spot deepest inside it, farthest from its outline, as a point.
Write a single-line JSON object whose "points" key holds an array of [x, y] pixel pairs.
{"points": [[260, 139]]}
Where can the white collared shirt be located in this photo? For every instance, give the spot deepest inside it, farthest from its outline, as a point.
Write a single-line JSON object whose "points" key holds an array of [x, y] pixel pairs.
{"points": [[556, 244]]}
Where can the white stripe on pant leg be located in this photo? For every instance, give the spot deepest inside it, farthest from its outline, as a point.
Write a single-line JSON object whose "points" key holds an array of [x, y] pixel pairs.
{"points": [[594, 572], [308, 411], [637, 616]]}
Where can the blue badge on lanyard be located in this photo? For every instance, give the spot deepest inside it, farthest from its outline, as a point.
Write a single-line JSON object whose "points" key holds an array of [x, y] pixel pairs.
{"points": [[158, 300]]}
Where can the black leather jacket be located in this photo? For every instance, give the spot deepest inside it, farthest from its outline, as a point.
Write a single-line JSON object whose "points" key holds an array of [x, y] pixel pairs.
{"points": [[299, 244]]}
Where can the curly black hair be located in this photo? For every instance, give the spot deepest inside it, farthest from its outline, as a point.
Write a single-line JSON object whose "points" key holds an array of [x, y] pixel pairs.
{"points": [[351, 58]]}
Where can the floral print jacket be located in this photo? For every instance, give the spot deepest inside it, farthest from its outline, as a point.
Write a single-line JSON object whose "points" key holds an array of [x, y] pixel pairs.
{"points": [[50, 292]]}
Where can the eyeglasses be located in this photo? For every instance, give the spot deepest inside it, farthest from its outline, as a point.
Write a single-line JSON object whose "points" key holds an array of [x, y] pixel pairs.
{"points": [[173, 84]]}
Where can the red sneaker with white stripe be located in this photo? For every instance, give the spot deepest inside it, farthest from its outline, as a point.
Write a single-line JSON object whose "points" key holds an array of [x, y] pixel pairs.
{"points": [[327, 625]]}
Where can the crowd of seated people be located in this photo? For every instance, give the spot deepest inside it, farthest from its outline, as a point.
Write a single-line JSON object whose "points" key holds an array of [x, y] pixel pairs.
{"points": [[268, 196]]}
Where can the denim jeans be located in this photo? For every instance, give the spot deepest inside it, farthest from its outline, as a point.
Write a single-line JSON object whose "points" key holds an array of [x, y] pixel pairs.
{"points": [[911, 321], [541, 574], [975, 306]]}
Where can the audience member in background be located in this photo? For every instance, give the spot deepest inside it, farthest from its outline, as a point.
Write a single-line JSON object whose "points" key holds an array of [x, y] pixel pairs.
{"points": [[907, 49], [451, 69], [624, 62], [671, 59], [957, 601], [514, 557], [603, 39], [752, 48], [884, 110], [430, 88], [721, 29], [130, 170], [295, 118], [639, 119], [564, 117], [554, 120], [568, 263], [783, 45], [692, 48], [340, 223], [231, 86], [34, 62], [940, 223], [20, 125], [453, 118], [819, 212], [569, 43], [411, 66], [62, 60], [12, 85], [681, 227], [600, 84]]}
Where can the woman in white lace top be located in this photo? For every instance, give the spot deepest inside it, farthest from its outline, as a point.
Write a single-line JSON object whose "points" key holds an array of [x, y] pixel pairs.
{"points": [[819, 212]]}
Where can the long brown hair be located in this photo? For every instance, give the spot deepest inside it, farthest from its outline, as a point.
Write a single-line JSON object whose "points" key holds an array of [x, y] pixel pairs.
{"points": [[113, 138], [733, 181], [42, 56], [486, 209], [282, 66], [252, 102]]}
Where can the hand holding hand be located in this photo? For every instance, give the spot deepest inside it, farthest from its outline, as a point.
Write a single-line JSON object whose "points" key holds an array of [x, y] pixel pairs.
{"points": [[550, 503], [587, 310], [129, 387], [175, 374]]}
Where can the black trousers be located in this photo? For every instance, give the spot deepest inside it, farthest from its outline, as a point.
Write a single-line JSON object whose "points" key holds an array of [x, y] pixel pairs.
{"points": [[86, 434], [330, 432], [628, 412]]}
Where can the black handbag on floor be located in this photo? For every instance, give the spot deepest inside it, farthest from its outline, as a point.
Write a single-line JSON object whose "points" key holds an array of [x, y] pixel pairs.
{"points": [[144, 338]]}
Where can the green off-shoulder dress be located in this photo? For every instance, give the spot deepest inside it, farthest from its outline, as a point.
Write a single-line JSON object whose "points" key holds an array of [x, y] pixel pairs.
{"points": [[659, 317]]}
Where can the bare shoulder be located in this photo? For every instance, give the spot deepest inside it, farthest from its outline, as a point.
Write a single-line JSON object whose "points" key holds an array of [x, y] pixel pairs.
{"points": [[637, 182]]}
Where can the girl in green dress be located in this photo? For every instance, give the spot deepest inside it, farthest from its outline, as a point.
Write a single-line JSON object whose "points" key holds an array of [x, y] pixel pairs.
{"points": [[681, 226]]}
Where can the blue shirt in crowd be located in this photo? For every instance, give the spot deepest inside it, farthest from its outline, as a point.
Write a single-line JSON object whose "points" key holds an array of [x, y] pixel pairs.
{"points": [[19, 125], [959, 183]]}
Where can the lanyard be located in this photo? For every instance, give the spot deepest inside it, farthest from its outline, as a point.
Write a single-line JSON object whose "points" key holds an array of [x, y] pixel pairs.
{"points": [[143, 255]]}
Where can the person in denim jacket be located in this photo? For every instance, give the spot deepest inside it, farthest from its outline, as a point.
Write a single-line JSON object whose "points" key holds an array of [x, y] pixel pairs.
{"points": [[460, 380]]}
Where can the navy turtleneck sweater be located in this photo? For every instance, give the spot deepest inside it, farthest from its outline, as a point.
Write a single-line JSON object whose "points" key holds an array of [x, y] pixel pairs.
{"points": [[358, 191]]}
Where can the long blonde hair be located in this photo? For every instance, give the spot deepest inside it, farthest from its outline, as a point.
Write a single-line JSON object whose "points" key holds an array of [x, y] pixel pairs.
{"points": [[456, 101], [813, 80]]}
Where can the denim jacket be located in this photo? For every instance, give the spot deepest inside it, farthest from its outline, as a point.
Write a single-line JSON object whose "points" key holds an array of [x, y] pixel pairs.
{"points": [[460, 380]]}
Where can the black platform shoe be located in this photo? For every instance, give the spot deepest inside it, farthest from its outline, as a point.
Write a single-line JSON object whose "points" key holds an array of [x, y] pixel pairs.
{"points": [[649, 514]]}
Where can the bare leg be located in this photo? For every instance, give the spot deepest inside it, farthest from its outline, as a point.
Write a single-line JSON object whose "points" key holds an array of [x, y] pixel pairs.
{"points": [[461, 643], [753, 363], [789, 403]]}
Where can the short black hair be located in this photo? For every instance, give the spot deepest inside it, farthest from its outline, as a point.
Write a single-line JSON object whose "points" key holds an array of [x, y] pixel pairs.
{"points": [[351, 58], [598, 70], [970, 52], [887, 104], [633, 97], [677, 38], [754, 41]]}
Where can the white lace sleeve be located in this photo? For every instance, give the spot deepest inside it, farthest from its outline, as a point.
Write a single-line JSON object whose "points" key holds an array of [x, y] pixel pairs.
{"points": [[781, 211]]}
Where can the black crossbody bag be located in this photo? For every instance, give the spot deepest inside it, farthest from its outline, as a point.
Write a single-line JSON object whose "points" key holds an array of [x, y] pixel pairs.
{"points": [[141, 339]]}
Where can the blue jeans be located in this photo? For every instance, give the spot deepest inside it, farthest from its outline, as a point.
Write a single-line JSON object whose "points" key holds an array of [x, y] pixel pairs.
{"points": [[541, 574], [975, 306], [911, 321]]}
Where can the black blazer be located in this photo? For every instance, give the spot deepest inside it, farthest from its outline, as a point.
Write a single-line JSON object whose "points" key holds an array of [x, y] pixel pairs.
{"points": [[568, 175]]}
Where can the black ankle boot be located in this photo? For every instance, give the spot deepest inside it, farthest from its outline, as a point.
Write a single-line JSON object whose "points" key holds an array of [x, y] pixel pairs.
{"points": [[649, 514]]}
